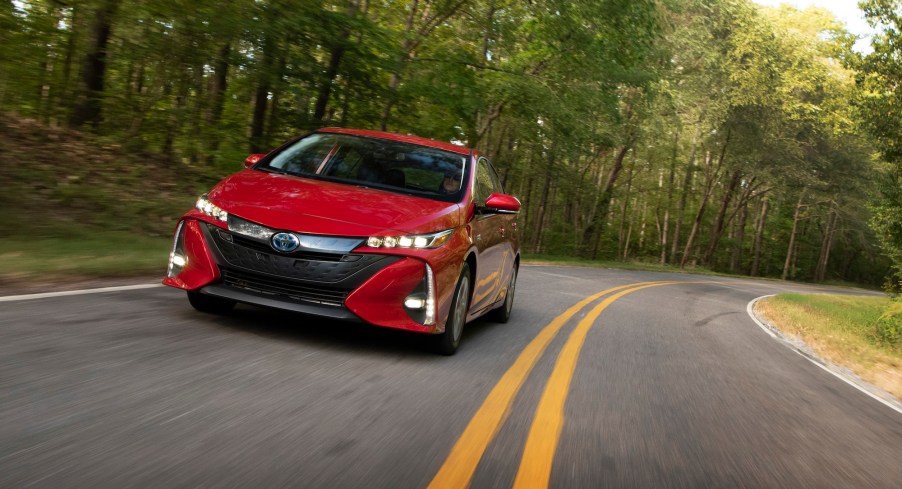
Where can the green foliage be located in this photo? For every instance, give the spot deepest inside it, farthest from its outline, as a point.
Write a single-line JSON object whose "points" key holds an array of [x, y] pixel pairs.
{"points": [[888, 331], [879, 102], [624, 126]]}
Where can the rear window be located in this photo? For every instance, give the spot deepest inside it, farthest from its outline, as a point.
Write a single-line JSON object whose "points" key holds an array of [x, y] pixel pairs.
{"points": [[372, 162]]}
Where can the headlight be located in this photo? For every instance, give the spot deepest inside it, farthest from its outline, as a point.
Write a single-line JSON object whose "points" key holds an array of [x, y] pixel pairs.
{"points": [[433, 240], [204, 205], [248, 228]]}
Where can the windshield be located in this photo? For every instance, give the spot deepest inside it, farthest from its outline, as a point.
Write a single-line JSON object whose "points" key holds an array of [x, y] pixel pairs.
{"points": [[372, 162]]}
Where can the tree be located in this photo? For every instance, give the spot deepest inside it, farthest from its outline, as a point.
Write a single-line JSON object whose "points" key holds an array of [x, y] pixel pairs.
{"points": [[879, 104], [89, 106]]}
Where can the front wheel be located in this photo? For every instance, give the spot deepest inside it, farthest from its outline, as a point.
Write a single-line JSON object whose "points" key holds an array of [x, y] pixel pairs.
{"points": [[209, 303], [446, 343], [503, 313]]}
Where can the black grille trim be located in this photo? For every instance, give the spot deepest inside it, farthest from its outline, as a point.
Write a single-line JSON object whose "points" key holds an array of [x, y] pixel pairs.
{"points": [[287, 289]]}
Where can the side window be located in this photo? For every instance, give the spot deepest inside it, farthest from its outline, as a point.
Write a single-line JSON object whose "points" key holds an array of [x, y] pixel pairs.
{"points": [[495, 179], [485, 185]]}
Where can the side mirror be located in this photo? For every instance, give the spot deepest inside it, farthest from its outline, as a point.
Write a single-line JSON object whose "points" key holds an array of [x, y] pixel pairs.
{"points": [[502, 204], [252, 160]]}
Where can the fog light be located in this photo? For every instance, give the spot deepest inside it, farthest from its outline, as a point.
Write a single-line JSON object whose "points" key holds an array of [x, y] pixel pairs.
{"points": [[430, 297], [416, 302], [177, 260], [420, 304]]}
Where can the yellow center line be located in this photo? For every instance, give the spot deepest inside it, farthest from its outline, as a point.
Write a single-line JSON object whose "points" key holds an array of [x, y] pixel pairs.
{"points": [[544, 434], [458, 469]]}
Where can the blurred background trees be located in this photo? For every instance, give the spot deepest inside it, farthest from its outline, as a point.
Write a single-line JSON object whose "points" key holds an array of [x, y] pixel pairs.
{"points": [[712, 133]]}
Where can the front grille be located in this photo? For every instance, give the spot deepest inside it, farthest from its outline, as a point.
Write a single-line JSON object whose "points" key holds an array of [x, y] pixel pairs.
{"points": [[285, 288], [304, 278], [330, 268], [265, 248]]}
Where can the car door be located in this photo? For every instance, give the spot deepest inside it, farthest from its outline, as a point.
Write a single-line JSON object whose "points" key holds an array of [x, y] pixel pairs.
{"points": [[488, 235], [509, 239]]}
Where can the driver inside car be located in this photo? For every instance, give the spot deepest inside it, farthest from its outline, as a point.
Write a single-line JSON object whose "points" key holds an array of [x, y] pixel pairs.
{"points": [[450, 183]]}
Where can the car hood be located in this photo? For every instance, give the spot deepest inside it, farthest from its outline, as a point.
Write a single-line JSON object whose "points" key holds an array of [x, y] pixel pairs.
{"points": [[319, 207]]}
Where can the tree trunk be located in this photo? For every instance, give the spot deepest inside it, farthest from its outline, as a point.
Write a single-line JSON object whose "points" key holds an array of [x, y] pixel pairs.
{"points": [[539, 222], [325, 88], [792, 236], [826, 244], [71, 44], [665, 225], [624, 209], [642, 220], [336, 53], [218, 87], [759, 237], [261, 97], [604, 201], [684, 195], [89, 107], [219, 84], [710, 179], [717, 231], [739, 238]]}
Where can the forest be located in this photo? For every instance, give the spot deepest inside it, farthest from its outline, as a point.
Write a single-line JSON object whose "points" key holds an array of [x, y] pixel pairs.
{"points": [[713, 134]]}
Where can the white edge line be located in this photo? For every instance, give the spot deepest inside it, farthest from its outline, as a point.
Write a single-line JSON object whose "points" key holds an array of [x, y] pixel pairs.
{"points": [[44, 295], [750, 309]]}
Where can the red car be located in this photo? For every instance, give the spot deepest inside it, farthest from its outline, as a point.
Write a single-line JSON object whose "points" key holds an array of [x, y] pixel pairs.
{"points": [[395, 231]]}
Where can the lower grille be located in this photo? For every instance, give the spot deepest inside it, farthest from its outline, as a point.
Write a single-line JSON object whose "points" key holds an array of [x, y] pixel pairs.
{"points": [[285, 288]]}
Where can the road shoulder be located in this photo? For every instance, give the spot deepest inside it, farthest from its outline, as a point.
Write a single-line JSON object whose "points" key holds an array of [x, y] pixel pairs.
{"points": [[838, 371]]}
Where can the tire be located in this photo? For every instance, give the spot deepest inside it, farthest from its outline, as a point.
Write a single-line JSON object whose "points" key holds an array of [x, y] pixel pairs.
{"points": [[503, 313], [446, 343], [209, 303]]}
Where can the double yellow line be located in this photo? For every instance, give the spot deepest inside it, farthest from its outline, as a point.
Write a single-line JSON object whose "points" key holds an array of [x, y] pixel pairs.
{"points": [[535, 466]]}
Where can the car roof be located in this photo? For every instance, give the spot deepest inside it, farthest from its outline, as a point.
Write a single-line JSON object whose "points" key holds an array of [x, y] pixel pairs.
{"points": [[432, 143]]}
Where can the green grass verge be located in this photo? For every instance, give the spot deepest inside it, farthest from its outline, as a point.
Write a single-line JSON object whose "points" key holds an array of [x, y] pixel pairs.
{"points": [[98, 254], [858, 332]]}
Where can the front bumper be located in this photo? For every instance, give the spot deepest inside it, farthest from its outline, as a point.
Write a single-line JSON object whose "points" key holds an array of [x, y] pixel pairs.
{"points": [[347, 286]]}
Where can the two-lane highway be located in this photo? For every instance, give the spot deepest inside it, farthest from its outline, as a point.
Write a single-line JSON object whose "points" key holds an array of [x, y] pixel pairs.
{"points": [[603, 378]]}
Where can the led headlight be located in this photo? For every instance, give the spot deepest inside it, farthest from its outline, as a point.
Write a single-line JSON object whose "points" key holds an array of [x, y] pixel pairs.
{"points": [[204, 205], [433, 240], [249, 228]]}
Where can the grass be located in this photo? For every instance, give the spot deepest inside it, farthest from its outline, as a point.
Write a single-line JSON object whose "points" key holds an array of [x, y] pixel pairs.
{"points": [[857, 332], [78, 207], [98, 254]]}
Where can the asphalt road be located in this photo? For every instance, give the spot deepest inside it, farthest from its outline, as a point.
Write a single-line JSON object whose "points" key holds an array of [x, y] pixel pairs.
{"points": [[671, 386]]}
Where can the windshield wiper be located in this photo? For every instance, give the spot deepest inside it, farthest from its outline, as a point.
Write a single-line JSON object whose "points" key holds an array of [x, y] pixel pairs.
{"points": [[269, 169]]}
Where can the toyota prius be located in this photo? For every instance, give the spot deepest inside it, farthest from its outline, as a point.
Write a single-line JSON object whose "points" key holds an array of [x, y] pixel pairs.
{"points": [[392, 230]]}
